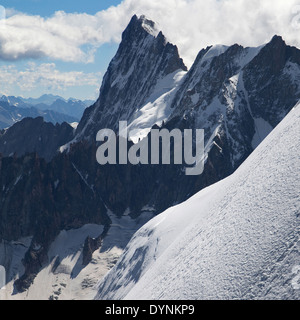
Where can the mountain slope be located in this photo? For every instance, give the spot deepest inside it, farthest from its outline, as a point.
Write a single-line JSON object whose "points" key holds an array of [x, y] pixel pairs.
{"points": [[237, 239], [218, 94], [238, 95], [66, 275]]}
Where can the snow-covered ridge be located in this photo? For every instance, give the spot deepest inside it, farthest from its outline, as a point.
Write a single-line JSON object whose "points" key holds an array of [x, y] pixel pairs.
{"points": [[237, 239], [214, 51]]}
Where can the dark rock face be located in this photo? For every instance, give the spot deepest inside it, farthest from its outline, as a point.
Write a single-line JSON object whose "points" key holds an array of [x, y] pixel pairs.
{"points": [[40, 199], [34, 135], [226, 92], [90, 246], [272, 80]]}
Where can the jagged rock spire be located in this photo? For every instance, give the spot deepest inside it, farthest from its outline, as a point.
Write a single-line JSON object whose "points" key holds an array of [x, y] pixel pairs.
{"points": [[144, 56]]}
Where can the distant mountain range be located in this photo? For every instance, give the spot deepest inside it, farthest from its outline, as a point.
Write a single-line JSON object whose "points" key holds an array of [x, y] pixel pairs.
{"points": [[9, 115], [49, 99], [52, 108]]}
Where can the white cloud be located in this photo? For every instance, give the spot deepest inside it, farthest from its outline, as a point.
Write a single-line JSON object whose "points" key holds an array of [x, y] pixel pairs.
{"points": [[45, 76], [190, 24], [194, 24], [59, 37]]}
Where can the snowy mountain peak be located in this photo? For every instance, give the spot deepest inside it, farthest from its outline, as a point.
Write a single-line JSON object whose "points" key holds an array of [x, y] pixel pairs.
{"points": [[139, 27], [214, 51], [144, 59], [277, 39], [149, 26]]}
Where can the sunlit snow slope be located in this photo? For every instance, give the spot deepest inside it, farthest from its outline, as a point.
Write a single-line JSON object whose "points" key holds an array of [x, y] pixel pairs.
{"points": [[238, 239]]}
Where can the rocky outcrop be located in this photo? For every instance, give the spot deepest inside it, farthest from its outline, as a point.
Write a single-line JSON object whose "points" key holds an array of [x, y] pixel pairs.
{"points": [[272, 81], [91, 245]]}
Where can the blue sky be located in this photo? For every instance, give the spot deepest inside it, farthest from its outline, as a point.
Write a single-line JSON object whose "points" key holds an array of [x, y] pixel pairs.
{"points": [[102, 55], [63, 47], [47, 7]]}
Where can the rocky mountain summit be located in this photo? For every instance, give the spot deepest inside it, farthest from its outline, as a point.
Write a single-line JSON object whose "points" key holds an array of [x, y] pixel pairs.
{"points": [[144, 62]]}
